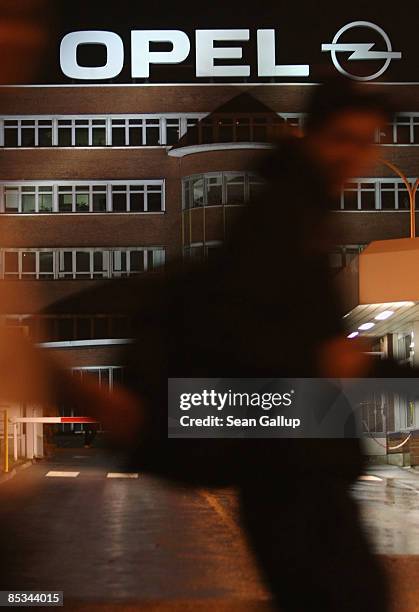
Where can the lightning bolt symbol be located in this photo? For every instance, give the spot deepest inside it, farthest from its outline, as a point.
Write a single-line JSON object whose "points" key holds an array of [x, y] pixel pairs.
{"points": [[361, 51]]}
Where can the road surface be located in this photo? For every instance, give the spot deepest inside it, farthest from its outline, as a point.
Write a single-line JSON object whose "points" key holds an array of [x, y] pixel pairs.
{"points": [[115, 540]]}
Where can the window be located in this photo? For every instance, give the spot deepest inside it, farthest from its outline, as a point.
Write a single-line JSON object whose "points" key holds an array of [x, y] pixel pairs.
{"points": [[235, 189], [53, 328], [259, 127], [79, 263], [403, 131], [172, 131], [44, 198], [27, 264], [85, 197], [343, 255], [221, 189], [119, 198], [197, 192], [99, 198], [11, 133], [368, 196], [214, 190], [199, 251], [28, 132], [65, 133], [27, 198], [11, 264], [65, 198], [45, 133], [28, 129], [11, 199], [375, 194], [81, 133], [119, 133], [135, 261], [105, 376], [154, 198], [137, 199], [152, 132], [256, 187]]}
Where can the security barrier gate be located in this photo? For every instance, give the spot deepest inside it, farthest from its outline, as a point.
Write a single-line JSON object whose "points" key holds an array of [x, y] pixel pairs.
{"points": [[44, 420]]}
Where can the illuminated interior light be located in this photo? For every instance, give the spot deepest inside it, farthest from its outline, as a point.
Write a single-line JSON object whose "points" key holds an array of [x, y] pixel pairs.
{"points": [[366, 326], [386, 314], [353, 334]]}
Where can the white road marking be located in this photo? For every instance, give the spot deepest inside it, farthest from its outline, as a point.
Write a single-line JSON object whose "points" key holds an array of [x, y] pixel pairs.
{"points": [[81, 456], [54, 474], [122, 475], [370, 477]]}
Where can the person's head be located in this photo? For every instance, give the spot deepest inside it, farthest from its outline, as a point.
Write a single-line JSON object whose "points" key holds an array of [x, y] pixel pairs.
{"points": [[340, 130]]}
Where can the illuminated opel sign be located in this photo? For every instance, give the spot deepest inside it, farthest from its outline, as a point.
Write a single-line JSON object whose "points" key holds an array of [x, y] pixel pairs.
{"points": [[212, 53], [361, 51]]}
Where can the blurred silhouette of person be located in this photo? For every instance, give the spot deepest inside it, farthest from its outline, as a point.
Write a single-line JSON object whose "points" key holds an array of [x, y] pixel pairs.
{"points": [[266, 308]]}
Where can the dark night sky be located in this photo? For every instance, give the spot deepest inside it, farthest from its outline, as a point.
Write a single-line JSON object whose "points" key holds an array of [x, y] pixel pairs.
{"points": [[301, 26]]}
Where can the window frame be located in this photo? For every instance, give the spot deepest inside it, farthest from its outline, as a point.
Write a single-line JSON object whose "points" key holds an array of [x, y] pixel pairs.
{"points": [[148, 185], [59, 273], [187, 191], [377, 184], [165, 120]]}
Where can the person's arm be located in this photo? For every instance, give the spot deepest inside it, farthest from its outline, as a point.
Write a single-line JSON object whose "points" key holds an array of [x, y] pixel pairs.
{"points": [[31, 374]]}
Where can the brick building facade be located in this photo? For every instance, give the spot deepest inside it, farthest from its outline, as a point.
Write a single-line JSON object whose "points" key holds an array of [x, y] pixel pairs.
{"points": [[101, 182]]}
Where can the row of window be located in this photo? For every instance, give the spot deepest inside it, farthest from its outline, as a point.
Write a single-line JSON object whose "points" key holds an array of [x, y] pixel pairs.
{"points": [[221, 188], [240, 128], [338, 258], [166, 130], [237, 188], [56, 328], [375, 194], [82, 131], [82, 196], [132, 130], [78, 263], [403, 130], [211, 189]]}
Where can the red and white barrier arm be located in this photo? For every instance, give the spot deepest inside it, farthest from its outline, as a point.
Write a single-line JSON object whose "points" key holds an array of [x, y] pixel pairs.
{"points": [[44, 420], [74, 419]]}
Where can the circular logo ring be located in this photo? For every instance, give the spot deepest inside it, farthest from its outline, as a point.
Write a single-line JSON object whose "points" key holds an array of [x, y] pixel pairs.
{"points": [[361, 24]]}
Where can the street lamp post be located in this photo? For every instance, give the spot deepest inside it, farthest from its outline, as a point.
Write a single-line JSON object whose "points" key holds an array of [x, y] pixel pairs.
{"points": [[411, 190]]}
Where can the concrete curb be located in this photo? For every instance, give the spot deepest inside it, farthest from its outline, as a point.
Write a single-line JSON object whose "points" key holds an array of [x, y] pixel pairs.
{"points": [[15, 470]]}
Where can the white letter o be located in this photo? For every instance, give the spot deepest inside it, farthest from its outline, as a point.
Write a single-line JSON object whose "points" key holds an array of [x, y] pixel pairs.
{"points": [[114, 55]]}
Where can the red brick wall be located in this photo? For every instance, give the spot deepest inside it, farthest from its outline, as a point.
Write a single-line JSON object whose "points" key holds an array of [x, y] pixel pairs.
{"points": [[174, 98]]}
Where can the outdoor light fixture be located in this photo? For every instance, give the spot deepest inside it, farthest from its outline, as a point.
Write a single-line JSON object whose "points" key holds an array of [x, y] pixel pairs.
{"points": [[386, 314], [353, 335], [366, 326]]}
